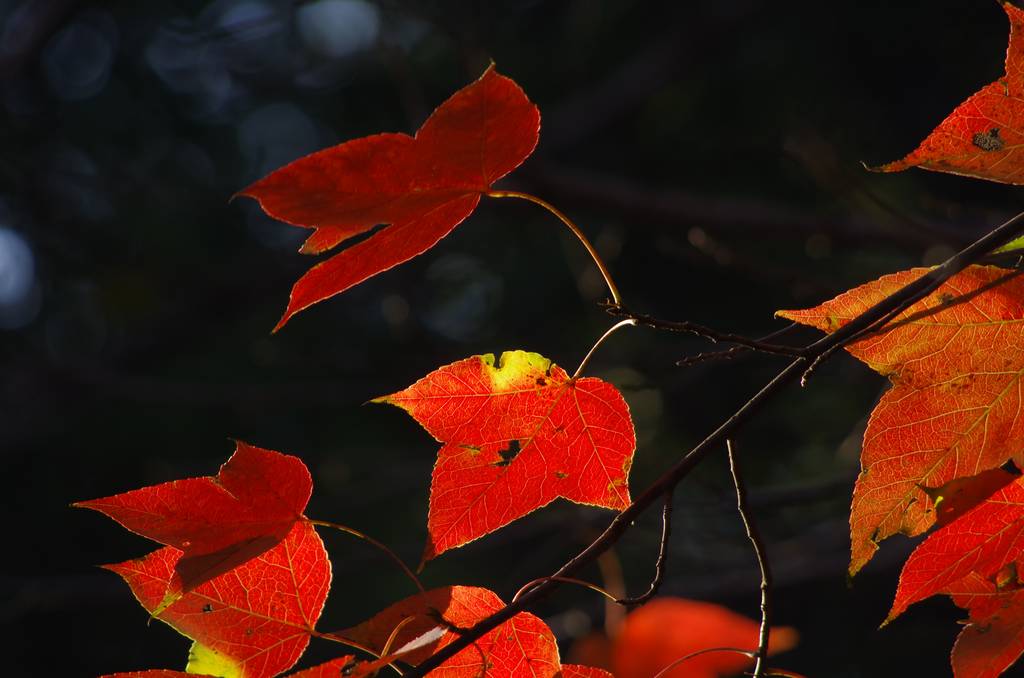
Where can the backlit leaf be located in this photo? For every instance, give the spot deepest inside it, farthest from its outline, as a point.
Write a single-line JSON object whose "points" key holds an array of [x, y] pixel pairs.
{"points": [[217, 522], [422, 186], [982, 540], [251, 622], [994, 637], [955, 360], [983, 136], [516, 435], [522, 646]]}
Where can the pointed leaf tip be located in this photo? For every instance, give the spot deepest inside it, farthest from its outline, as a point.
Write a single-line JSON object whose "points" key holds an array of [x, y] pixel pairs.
{"points": [[982, 137], [217, 522]]}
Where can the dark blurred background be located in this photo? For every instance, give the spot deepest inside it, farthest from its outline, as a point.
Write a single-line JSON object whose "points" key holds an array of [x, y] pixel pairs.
{"points": [[710, 149]]}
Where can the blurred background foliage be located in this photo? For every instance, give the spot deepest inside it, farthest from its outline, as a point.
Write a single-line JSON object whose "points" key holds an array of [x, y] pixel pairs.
{"points": [[710, 149]]}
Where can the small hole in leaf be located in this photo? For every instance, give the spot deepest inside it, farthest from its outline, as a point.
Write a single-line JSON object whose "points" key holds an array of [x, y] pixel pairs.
{"points": [[508, 454]]}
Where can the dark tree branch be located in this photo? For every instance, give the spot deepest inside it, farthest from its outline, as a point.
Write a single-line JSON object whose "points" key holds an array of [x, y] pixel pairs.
{"points": [[659, 565], [705, 332], [730, 353], [762, 560], [906, 295]]}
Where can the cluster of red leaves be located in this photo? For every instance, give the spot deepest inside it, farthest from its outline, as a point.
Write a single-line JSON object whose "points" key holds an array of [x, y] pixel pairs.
{"points": [[244, 573], [938, 441], [246, 576]]}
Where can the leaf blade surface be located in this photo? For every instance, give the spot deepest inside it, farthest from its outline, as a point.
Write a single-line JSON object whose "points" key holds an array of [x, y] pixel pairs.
{"points": [[516, 434]]}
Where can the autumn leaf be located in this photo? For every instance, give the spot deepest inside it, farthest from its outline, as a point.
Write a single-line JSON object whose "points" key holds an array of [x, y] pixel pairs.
{"points": [[251, 622], [667, 629], [982, 137], [955, 360], [521, 646], [516, 435], [217, 522], [422, 186], [982, 540], [993, 638]]}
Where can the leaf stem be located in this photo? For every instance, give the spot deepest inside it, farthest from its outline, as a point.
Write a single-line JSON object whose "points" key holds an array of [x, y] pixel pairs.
{"points": [[612, 289], [391, 554], [611, 330], [698, 653], [394, 634], [565, 580]]}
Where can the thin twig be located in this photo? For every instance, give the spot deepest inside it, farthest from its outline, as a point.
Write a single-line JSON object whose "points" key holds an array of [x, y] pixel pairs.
{"points": [[612, 289], [391, 554], [730, 353], [671, 477], [698, 653], [659, 565], [608, 333], [706, 332], [566, 580], [762, 559]]}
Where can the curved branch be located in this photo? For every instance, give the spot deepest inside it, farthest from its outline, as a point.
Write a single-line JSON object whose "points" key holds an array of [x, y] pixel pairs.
{"points": [[659, 565], [762, 560]]}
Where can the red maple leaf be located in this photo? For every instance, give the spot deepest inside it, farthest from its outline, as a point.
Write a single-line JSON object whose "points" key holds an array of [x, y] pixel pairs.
{"points": [[955, 362], [522, 646], [982, 540], [423, 186], [217, 522], [993, 638], [253, 621], [517, 435], [982, 137]]}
